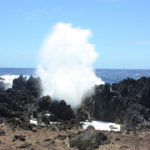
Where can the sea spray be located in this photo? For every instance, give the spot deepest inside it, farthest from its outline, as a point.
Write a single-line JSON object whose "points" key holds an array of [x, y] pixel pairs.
{"points": [[66, 64]]}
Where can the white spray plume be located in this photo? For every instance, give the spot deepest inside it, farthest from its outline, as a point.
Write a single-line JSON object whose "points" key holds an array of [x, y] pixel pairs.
{"points": [[66, 61]]}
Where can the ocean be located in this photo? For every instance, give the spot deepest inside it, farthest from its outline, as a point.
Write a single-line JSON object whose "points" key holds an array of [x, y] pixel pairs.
{"points": [[107, 75]]}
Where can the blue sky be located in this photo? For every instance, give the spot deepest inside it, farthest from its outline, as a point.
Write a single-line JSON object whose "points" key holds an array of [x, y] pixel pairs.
{"points": [[121, 29]]}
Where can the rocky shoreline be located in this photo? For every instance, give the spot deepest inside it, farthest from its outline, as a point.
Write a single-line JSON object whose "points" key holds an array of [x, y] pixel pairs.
{"points": [[126, 103]]}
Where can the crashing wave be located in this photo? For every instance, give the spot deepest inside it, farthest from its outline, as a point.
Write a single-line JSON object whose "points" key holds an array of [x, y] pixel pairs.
{"points": [[8, 80]]}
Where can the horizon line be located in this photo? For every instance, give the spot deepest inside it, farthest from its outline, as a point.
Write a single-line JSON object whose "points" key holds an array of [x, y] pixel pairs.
{"points": [[94, 68]]}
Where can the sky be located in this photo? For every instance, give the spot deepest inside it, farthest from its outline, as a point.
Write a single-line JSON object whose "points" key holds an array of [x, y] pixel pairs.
{"points": [[120, 30]]}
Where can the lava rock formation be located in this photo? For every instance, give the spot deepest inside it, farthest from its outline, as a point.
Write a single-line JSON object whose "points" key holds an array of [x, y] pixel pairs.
{"points": [[23, 102], [126, 102]]}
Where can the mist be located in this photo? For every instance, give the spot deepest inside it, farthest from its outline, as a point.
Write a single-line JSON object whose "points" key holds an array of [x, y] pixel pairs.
{"points": [[65, 64]]}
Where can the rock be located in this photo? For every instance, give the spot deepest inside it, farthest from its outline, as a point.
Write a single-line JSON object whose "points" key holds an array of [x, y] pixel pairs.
{"points": [[45, 103], [64, 111], [46, 119], [2, 132], [1, 78], [88, 140], [61, 137], [19, 83], [83, 114], [117, 139], [124, 147], [25, 145], [68, 125], [18, 137], [2, 86], [34, 86], [34, 129], [126, 102], [57, 110], [22, 102], [47, 140]]}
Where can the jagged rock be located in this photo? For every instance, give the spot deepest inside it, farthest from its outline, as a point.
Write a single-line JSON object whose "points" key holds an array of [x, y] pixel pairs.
{"points": [[64, 111], [22, 102], [32, 85], [57, 110], [126, 102], [45, 103]]}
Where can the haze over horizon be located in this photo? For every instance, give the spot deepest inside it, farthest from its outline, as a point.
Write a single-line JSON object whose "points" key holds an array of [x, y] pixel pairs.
{"points": [[120, 30]]}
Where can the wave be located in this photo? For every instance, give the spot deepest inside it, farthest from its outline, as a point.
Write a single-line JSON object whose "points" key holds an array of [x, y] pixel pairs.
{"points": [[8, 79]]}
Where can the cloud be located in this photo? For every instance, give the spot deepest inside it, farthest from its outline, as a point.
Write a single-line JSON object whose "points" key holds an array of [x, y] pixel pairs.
{"points": [[146, 42]]}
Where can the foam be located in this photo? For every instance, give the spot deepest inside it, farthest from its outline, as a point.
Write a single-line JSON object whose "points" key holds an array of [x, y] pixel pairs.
{"points": [[100, 125], [8, 80]]}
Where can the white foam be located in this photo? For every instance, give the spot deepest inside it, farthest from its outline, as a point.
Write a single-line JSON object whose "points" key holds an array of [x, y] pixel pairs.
{"points": [[53, 122], [48, 115], [33, 122], [100, 125], [8, 80]]}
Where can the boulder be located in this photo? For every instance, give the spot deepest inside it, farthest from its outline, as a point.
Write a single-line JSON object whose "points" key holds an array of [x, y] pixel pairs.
{"points": [[88, 140]]}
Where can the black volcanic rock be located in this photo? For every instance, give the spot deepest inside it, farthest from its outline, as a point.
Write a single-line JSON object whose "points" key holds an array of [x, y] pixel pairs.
{"points": [[32, 85], [57, 110], [126, 102], [22, 102], [2, 86], [64, 111], [45, 103], [14, 103]]}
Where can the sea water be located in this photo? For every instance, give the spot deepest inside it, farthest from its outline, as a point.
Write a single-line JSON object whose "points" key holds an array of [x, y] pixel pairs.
{"points": [[107, 75]]}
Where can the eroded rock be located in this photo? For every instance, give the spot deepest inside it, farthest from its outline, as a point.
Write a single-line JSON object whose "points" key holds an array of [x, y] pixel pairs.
{"points": [[88, 140]]}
